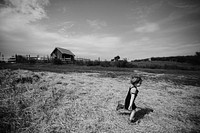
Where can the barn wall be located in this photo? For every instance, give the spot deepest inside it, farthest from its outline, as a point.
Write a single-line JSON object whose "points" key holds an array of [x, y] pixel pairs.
{"points": [[58, 54], [68, 56]]}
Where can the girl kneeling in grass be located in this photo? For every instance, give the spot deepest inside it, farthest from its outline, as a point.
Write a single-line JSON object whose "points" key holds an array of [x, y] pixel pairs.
{"points": [[131, 96]]}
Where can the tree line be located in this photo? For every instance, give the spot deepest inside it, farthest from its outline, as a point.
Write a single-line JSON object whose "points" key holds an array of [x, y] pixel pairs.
{"points": [[192, 59]]}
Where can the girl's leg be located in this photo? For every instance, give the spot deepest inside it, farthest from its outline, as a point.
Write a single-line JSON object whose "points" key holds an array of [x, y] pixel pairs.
{"points": [[132, 115], [120, 106]]}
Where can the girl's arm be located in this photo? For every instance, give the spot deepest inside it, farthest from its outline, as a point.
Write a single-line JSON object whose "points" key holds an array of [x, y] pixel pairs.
{"points": [[131, 101], [132, 98]]}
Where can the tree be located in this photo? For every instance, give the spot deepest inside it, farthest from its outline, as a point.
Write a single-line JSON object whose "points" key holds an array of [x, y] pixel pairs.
{"points": [[117, 58], [198, 54]]}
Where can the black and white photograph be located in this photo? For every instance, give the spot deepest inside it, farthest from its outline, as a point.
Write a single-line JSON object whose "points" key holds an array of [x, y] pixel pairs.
{"points": [[99, 66]]}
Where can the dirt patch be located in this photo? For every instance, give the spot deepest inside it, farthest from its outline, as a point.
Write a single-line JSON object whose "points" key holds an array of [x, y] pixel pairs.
{"points": [[86, 102]]}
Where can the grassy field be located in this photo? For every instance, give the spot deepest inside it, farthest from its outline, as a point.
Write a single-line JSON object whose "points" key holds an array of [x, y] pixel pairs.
{"points": [[166, 65], [65, 99]]}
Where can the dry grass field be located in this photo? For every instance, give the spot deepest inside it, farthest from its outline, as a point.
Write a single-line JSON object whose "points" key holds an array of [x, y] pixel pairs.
{"points": [[48, 102]]}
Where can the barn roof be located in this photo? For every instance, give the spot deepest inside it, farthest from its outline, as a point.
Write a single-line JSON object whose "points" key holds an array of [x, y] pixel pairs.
{"points": [[64, 51]]}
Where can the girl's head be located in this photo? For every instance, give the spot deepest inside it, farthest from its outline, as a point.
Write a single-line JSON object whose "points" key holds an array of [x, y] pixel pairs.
{"points": [[136, 81]]}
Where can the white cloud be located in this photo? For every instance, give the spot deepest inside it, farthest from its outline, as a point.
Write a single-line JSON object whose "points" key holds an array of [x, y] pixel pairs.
{"points": [[64, 27], [20, 36], [96, 24], [16, 28], [25, 10], [149, 27], [20, 13], [184, 3], [90, 45]]}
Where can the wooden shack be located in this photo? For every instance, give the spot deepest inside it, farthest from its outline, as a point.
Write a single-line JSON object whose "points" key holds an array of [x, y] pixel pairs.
{"points": [[62, 54]]}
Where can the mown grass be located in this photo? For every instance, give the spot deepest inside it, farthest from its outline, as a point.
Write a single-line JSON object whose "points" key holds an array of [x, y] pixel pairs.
{"points": [[68, 101], [27, 102]]}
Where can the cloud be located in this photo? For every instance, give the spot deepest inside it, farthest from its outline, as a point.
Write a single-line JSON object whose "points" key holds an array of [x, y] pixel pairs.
{"points": [[96, 24], [19, 13], [25, 10], [28, 39], [21, 33], [184, 3], [64, 9], [17, 30], [149, 27], [181, 22], [64, 27], [91, 44]]}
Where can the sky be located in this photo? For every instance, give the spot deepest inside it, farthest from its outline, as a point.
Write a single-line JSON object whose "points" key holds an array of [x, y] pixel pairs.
{"points": [[132, 29]]}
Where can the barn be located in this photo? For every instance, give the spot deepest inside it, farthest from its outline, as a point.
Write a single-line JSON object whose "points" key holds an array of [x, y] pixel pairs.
{"points": [[63, 54]]}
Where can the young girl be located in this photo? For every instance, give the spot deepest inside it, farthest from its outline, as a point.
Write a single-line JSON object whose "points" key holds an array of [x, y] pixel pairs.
{"points": [[131, 96]]}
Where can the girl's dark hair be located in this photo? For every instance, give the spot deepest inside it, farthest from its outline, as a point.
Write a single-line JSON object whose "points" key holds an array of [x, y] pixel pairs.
{"points": [[135, 80]]}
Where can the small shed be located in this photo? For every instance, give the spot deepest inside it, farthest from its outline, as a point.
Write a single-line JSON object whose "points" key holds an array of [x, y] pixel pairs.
{"points": [[62, 54]]}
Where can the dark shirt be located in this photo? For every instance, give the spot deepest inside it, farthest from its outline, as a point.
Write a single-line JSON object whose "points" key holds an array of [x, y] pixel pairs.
{"points": [[128, 98]]}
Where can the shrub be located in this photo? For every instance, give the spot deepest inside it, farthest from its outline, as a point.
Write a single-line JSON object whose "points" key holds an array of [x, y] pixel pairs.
{"points": [[131, 65], [89, 63], [105, 64], [96, 63], [121, 63], [32, 61], [21, 59], [57, 61], [79, 62], [93, 63], [154, 66]]}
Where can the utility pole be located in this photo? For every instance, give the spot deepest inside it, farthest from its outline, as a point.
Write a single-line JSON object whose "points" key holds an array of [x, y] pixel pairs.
{"points": [[99, 59], [2, 57]]}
